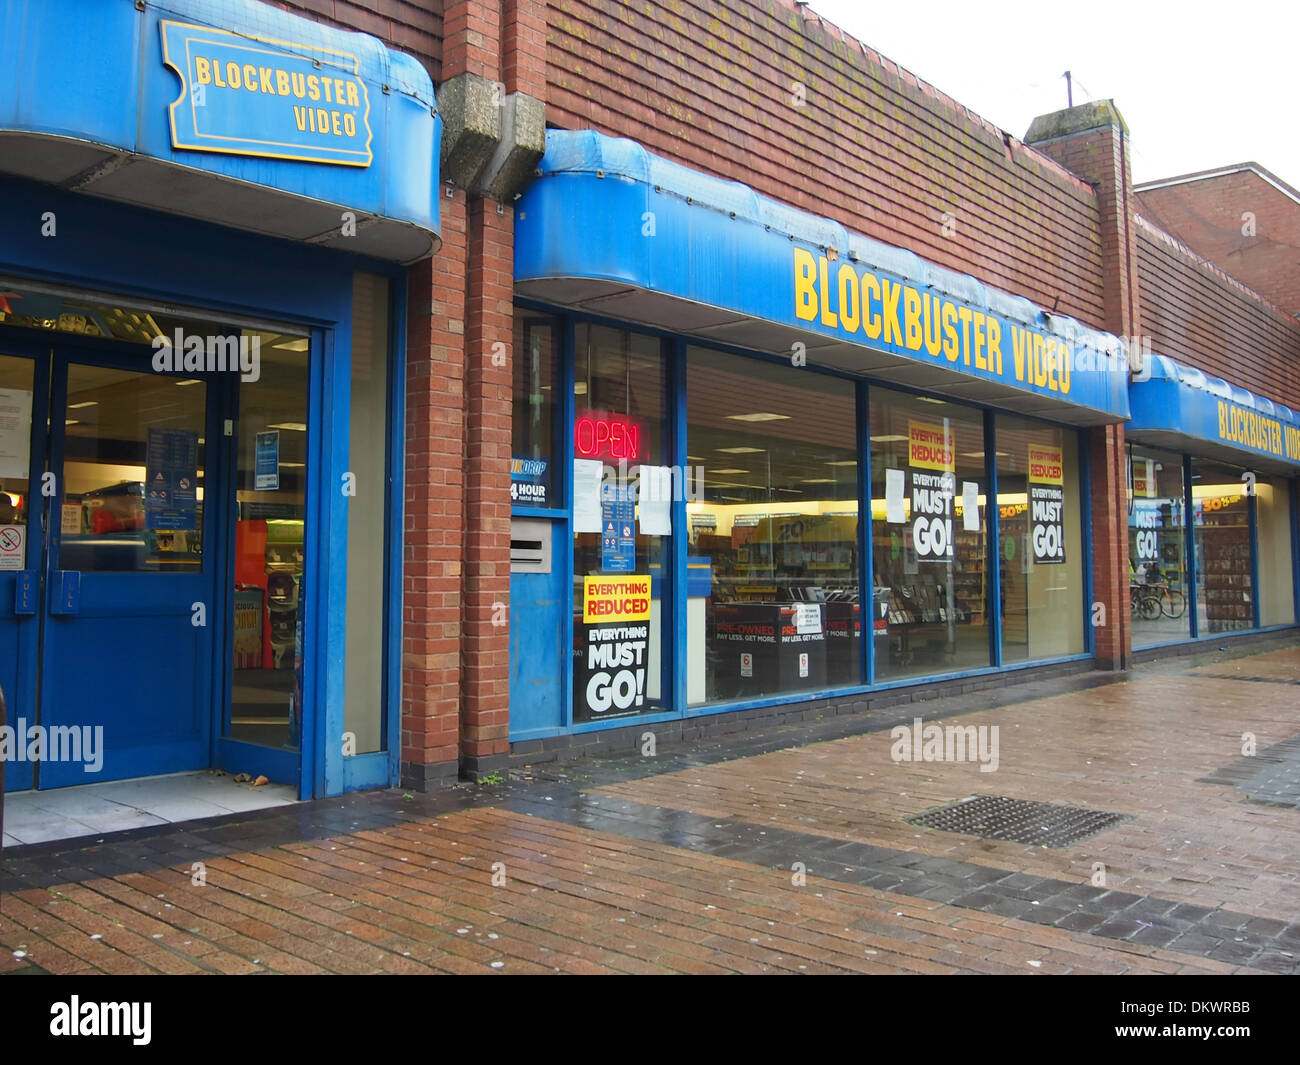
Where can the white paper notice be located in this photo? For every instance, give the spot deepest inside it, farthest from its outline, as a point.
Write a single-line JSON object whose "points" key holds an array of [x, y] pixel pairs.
{"points": [[655, 500], [586, 495], [807, 618], [894, 497], [970, 506], [15, 432]]}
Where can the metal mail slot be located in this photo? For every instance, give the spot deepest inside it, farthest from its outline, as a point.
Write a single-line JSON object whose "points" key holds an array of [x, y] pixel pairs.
{"points": [[530, 545]]}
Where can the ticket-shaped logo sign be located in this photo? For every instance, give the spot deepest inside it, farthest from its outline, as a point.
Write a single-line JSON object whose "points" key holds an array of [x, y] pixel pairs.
{"points": [[1045, 466], [246, 95], [615, 599], [929, 446]]}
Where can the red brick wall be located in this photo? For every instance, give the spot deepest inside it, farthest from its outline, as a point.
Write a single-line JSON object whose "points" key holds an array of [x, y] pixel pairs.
{"points": [[710, 86], [1208, 216], [433, 540], [412, 26], [1196, 314]]}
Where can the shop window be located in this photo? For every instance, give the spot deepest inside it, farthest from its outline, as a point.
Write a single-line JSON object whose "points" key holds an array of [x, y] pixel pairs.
{"points": [[1225, 595], [621, 587], [536, 389], [1040, 538], [929, 536], [364, 694], [1277, 604], [1157, 547], [773, 585]]}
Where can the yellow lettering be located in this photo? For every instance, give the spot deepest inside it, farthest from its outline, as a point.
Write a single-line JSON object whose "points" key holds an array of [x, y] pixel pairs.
{"points": [[912, 318], [250, 77], [264, 77], [299, 85], [950, 351], [931, 325], [350, 124], [965, 315], [870, 321], [1039, 375], [232, 74], [889, 295], [202, 71], [805, 288], [313, 87], [828, 316], [335, 125], [281, 82], [353, 99], [995, 346], [327, 86], [216, 76], [980, 362], [849, 298]]}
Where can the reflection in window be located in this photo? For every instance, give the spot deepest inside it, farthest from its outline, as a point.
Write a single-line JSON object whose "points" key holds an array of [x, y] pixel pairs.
{"points": [[774, 569], [619, 395], [1224, 595], [1157, 547], [1039, 512], [929, 532]]}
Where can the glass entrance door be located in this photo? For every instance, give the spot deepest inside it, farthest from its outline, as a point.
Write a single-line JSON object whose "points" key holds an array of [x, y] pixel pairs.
{"points": [[262, 732]]}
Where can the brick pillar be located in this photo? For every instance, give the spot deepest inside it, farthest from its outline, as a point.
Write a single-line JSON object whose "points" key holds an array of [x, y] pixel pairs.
{"points": [[1092, 141], [434, 506], [485, 650]]}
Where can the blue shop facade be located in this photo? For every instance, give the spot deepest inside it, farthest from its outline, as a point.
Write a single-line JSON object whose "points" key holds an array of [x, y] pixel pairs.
{"points": [[208, 207], [759, 459]]}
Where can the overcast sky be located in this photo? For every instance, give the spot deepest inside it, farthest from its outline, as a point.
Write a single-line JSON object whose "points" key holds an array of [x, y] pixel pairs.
{"points": [[1201, 85]]}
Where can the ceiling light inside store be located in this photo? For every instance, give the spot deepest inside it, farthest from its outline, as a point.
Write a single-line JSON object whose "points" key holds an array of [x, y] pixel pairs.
{"points": [[297, 344], [818, 480], [580, 388], [297, 427], [844, 462], [183, 384], [733, 470], [891, 439], [760, 416], [88, 403], [740, 450]]}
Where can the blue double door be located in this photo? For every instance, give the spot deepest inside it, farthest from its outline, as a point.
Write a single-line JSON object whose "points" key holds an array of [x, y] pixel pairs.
{"points": [[115, 521]]}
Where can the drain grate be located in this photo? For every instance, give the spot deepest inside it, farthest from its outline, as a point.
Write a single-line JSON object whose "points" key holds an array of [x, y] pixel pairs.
{"points": [[1019, 820]]}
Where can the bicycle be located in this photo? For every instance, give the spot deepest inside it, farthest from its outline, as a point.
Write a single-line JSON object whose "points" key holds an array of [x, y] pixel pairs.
{"points": [[1149, 601]]}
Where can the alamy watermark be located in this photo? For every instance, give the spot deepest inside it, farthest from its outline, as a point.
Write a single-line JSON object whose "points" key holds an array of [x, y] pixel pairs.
{"points": [[56, 743], [192, 353], [945, 743]]}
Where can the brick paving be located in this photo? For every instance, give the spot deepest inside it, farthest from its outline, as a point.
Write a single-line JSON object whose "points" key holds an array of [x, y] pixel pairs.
{"points": [[744, 855]]}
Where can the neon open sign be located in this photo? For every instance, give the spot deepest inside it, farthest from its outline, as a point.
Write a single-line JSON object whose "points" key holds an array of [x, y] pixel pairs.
{"points": [[606, 436]]}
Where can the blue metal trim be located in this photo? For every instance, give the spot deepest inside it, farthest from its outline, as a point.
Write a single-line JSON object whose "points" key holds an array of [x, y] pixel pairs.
{"points": [[1293, 486], [331, 444], [993, 552], [677, 652], [1085, 525], [537, 512], [866, 535], [1189, 546], [393, 533], [369, 770], [1252, 518], [564, 527]]}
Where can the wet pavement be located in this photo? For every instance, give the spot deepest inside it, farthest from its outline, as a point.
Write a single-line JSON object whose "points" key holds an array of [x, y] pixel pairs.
{"points": [[790, 849]]}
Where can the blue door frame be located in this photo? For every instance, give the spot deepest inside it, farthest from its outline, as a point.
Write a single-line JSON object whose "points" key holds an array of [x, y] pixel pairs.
{"points": [[182, 264]]}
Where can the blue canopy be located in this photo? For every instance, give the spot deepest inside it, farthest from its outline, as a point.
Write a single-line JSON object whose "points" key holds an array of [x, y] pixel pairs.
{"points": [[610, 229], [1186, 410], [231, 111]]}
